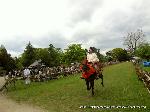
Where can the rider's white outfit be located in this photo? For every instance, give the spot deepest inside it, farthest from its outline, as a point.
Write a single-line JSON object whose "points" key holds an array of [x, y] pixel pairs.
{"points": [[92, 57]]}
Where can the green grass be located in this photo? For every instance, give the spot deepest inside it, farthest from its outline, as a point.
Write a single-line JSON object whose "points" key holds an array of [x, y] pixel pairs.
{"points": [[122, 87], [146, 69]]}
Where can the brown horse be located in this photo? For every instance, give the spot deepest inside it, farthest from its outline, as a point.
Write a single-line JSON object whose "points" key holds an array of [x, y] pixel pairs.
{"points": [[90, 74]]}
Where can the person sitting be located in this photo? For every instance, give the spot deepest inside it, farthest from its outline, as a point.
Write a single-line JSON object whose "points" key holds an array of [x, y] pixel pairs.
{"points": [[92, 58], [93, 61]]}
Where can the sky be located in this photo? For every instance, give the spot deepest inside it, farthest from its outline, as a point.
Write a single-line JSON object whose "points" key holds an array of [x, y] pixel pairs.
{"points": [[98, 23]]}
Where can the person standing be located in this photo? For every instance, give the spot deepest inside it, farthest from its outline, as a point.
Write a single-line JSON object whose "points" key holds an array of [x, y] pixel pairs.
{"points": [[27, 76]]}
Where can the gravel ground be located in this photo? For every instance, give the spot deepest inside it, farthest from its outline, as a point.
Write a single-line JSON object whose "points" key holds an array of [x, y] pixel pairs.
{"points": [[8, 105]]}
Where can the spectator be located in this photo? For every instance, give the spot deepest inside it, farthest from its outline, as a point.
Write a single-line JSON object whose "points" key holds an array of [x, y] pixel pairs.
{"points": [[27, 76]]}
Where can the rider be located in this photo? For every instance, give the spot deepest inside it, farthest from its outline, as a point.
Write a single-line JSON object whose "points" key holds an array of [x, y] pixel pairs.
{"points": [[92, 60]]}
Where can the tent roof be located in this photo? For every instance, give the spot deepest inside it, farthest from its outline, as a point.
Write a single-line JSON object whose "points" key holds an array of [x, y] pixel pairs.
{"points": [[36, 63], [135, 57]]}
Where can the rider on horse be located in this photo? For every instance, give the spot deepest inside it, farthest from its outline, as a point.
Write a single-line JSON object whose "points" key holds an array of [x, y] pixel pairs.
{"points": [[92, 63]]}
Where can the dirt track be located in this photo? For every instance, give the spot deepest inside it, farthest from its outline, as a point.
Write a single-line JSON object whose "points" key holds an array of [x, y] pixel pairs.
{"points": [[8, 105]]}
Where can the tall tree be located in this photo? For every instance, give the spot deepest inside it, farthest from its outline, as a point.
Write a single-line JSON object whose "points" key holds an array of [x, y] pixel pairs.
{"points": [[6, 61], [119, 54], [18, 63], [54, 54], [134, 39], [49, 56], [3, 56], [43, 54], [29, 55], [74, 53]]}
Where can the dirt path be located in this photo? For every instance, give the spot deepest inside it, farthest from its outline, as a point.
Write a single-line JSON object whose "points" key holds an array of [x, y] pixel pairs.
{"points": [[2, 81], [8, 105]]}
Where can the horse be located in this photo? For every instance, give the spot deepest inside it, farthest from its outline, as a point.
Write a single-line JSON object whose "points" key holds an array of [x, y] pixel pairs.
{"points": [[90, 74]]}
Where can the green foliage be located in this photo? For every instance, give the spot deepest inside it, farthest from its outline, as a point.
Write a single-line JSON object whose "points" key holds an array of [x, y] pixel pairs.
{"points": [[102, 58], [74, 53], [11, 64], [55, 55], [50, 56], [6, 61], [29, 55], [43, 54], [18, 63], [109, 56], [3, 56], [143, 51], [119, 54]]}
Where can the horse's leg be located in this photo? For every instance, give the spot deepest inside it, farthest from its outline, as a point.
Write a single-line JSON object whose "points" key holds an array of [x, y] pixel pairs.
{"points": [[14, 81], [101, 76], [92, 86], [87, 84]]}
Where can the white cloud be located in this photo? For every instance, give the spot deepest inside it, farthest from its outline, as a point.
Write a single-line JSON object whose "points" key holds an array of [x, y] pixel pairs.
{"points": [[99, 23], [31, 17]]}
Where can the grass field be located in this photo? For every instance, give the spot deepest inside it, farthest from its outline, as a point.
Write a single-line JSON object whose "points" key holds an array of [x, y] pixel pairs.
{"points": [[146, 69], [122, 87]]}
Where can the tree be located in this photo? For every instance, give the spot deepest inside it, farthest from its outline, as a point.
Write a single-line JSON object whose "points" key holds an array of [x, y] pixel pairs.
{"points": [[54, 54], [119, 54], [60, 55], [143, 51], [3, 56], [134, 39], [29, 55], [43, 54], [74, 53], [11, 64], [18, 63], [109, 56], [49, 56], [6, 61]]}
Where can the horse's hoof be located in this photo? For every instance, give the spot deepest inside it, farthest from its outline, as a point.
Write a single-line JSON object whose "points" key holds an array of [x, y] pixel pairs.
{"points": [[102, 84]]}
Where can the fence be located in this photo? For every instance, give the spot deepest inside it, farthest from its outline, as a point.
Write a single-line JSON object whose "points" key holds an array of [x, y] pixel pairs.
{"points": [[143, 75]]}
